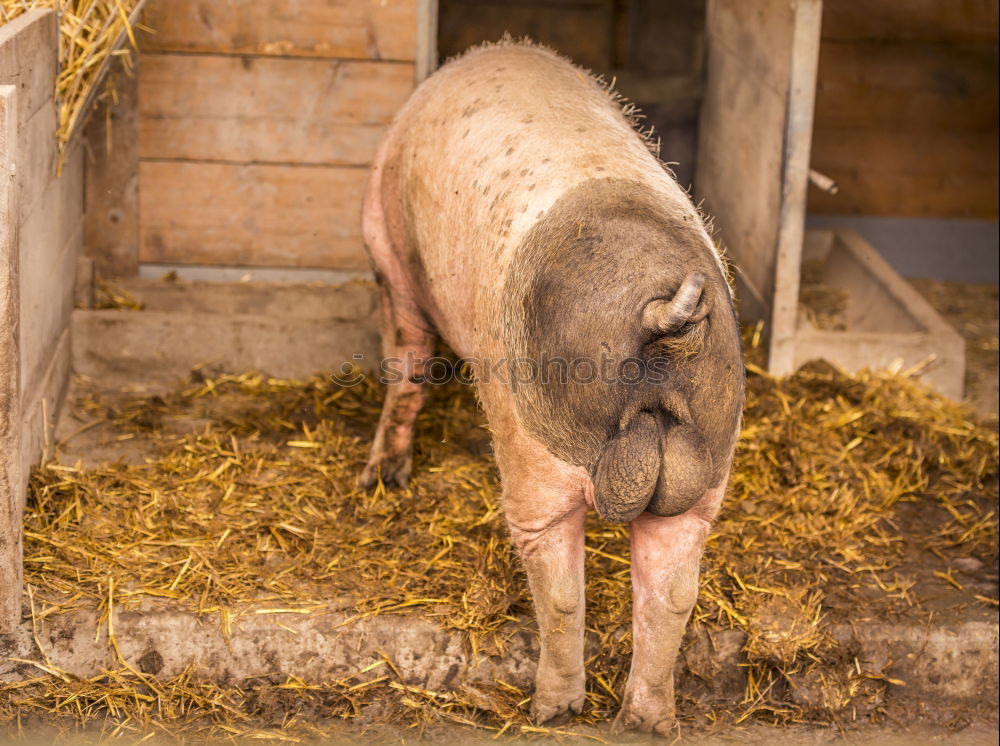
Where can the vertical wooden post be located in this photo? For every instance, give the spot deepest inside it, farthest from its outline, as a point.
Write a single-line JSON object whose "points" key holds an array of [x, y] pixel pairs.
{"points": [[794, 184], [11, 499], [427, 26], [755, 137]]}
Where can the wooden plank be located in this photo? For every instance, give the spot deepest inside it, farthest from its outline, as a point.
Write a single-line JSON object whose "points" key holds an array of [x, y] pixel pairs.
{"points": [[268, 110], [794, 182], [884, 172], [913, 86], [741, 137], [111, 229], [928, 20], [50, 239], [358, 29], [427, 31], [252, 215], [40, 411], [38, 155], [11, 480], [28, 59], [574, 29]]}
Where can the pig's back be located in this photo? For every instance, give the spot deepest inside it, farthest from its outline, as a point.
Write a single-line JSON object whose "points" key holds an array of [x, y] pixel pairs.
{"points": [[480, 152]]}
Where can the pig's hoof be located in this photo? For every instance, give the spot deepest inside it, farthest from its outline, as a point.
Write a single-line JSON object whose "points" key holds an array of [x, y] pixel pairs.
{"points": [[660, 723], [546, 707], [393, 471]]}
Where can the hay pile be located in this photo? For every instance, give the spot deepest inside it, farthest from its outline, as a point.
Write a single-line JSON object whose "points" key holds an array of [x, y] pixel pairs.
{"points": [[91, 34], [841, 485]]}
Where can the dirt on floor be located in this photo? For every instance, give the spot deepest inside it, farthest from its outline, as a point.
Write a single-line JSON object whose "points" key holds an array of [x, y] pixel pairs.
{"points": [[973, 309], [853, 499]]}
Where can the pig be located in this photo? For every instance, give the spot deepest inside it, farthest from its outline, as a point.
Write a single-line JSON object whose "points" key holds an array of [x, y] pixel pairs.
{"points": [[514, 210]]}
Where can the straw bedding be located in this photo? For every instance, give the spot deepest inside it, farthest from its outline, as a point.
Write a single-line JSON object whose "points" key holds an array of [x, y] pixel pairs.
{"points": [[846, 491], [91, 34]]}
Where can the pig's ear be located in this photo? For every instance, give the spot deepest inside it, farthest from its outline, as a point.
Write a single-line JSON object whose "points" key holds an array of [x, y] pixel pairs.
{"points": [[688, 306]]}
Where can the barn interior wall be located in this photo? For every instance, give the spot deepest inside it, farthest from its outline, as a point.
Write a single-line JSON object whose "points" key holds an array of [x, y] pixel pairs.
{"points": [[254, 126], [906, 123], [227, 162]]}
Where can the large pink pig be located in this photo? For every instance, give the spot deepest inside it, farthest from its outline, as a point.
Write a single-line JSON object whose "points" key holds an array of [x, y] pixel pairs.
{"points": [[514, 211]]}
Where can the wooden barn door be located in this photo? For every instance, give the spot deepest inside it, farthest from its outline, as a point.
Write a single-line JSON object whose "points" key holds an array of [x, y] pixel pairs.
{"points": [[755, 136]]}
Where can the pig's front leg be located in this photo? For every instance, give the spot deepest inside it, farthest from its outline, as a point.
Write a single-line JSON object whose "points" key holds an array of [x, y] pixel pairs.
{"points": [[545, 509], [666, 552], [407, 342]]}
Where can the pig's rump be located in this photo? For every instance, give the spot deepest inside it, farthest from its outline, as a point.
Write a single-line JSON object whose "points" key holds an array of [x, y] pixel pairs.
{"points": [[529, 221], [480, 153]]}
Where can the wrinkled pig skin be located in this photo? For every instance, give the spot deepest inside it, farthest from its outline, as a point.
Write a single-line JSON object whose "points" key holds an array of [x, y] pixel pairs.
{"points": [[514, 211]]}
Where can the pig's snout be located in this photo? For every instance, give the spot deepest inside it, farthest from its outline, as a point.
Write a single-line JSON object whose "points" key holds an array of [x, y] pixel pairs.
{"points": [[649, 466]]}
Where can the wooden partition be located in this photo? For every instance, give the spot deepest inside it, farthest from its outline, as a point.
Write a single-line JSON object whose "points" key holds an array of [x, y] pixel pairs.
{"points": [[41, 229], [10, 389], [753, 154], [256, 122]]}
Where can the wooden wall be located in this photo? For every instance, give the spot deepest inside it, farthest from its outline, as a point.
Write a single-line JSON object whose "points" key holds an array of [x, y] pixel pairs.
{"points": [[42, 230], [906, 108], [49, 214], [256, 122], [654, 50]]}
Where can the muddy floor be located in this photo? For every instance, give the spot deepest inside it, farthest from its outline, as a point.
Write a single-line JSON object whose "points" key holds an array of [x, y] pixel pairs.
{"points": [[974, 311]]}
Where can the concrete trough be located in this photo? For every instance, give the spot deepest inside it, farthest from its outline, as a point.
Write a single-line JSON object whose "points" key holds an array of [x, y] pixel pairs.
{"points": [[888, 323]]}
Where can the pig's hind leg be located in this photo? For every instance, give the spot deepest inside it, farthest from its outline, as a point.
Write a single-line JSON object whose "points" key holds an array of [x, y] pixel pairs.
{"points": [[666, 552], [407, 341], [545, 507]]}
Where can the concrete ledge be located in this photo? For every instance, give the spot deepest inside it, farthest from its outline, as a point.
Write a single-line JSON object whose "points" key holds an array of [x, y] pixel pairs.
{"points": [[321, 646], [164, 345], [955, 664]]}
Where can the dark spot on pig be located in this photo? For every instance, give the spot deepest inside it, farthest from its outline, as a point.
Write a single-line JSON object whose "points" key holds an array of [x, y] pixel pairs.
{"points": [[598, 168], [505, 174], [246, 62], [531, 187], [523, 172], [577, 286], [581, 129], [510, 151], [465, 134]]}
